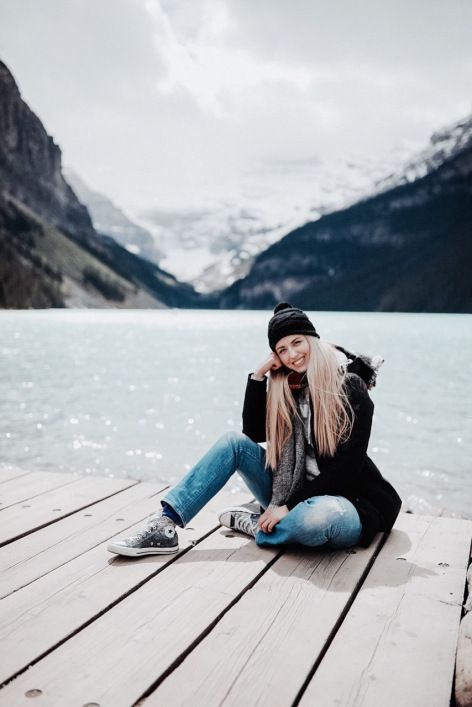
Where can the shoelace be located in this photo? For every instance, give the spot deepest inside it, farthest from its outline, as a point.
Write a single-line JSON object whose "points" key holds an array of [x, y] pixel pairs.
{"points": [[247, 524], [151, 526]]}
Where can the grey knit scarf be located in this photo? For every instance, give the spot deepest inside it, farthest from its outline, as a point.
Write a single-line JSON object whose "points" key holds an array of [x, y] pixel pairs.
{"points": [[289, 475]]}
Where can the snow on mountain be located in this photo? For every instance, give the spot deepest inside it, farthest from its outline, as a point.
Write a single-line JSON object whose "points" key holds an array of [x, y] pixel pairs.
{"points": [[214, 245], [214, 242], [445, 143], [406, 249]]}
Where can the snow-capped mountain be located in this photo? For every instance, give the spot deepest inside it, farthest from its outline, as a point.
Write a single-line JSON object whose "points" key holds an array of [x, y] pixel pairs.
{"points": [[215, 245], [444, 144], [406, 248]]}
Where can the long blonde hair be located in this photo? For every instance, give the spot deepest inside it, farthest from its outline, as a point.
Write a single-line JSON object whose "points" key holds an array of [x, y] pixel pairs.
{"points": [[332, 413]]}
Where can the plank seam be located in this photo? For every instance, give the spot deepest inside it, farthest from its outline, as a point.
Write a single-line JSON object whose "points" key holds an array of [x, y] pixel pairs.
{"points": [[20, 476], [103, 611], [41, 493], [339, 622], [66, 515], [92, 547], [260, 640], [180, 659]]}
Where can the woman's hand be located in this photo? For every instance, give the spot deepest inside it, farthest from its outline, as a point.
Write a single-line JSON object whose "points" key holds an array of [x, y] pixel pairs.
{"points": [[271, 363], [271, 517]]}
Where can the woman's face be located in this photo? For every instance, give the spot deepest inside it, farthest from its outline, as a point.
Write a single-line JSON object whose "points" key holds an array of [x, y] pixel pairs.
{"points": [[294, 352]]}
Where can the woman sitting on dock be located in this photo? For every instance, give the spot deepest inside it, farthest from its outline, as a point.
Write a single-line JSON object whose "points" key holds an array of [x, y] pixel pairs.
{"points": [[315, 484]]}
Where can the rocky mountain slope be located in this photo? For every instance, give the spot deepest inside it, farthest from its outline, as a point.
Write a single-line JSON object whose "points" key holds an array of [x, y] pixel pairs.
{"points": [[408, 248], [108, 219], [50, 254]]}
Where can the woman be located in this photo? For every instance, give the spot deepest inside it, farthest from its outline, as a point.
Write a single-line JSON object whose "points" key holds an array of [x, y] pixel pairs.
{"points": [[316, 482]]}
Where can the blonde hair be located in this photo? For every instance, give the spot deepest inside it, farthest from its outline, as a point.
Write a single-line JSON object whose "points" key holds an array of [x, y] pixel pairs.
{"points": [[332, 413]]}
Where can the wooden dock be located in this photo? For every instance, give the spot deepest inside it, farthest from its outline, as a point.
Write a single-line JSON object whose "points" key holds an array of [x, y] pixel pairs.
{"points": [[223, 622]]}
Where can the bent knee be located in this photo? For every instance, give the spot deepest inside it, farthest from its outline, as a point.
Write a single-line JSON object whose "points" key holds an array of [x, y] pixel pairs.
{"points": [[233, 438]]}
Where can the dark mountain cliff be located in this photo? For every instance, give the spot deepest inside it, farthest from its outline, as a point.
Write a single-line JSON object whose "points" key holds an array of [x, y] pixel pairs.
{"points": [[408, 248], [50, 254], [30, 165]]}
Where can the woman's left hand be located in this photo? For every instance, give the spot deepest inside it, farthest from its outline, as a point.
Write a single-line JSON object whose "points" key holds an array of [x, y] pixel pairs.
{"points": [[271, 517]]}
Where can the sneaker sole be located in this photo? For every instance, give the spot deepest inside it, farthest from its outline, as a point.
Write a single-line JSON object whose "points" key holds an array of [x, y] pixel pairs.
{"points": [[138, 551]]}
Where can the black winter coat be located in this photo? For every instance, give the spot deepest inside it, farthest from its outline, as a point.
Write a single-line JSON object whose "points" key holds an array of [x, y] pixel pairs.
{"points": [[350, 472]]}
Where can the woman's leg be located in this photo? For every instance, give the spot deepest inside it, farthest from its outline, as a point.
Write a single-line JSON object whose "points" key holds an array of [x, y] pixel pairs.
{"points": [[234, 451], [322, 520]]}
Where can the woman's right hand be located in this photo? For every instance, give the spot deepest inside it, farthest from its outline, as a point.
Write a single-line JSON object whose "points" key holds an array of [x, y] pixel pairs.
{"points": [[271, 363]]}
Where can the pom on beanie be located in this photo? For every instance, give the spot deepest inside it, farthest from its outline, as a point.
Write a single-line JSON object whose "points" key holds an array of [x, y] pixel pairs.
{"points": [[288, 320], [282, 305]]}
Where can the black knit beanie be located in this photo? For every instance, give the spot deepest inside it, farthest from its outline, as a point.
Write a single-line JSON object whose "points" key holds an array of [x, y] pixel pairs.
{"points": [[288, 320]]}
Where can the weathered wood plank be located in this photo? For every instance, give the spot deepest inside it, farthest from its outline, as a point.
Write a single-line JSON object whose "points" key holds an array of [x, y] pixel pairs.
{"points": [[117, 657], [463, 676], [41, 552], [22, 488], [58, 503], [398, 641], [7, 472], [463, 683], [262, 650], [42, 614]]}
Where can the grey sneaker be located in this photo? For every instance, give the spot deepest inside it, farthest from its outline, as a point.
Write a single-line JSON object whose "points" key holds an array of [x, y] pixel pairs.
{"points": [[241, 519], [157, 537]]}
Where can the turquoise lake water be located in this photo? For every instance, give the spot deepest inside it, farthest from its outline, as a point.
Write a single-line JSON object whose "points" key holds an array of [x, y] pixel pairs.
{"points": [[143, 394]]}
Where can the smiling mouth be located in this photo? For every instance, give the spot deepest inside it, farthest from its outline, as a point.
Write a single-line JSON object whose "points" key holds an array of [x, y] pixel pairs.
{"points": [[299, 361]]}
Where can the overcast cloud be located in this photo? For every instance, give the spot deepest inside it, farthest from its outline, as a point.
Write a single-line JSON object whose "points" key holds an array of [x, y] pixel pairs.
{"points": [[168, 103]]}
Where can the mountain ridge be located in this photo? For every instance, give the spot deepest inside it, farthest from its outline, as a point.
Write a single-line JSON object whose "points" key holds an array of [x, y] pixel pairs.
{"points": [[407, 248], [50, 253]]}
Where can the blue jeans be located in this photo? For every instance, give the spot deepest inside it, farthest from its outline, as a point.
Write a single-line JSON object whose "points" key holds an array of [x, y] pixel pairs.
{"points": [[321, 520]]}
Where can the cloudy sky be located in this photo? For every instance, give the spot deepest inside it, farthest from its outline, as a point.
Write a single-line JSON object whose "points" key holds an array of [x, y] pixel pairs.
{"points": [[163, 103]]}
